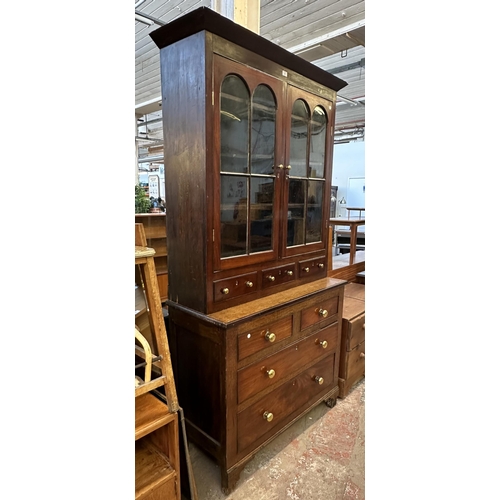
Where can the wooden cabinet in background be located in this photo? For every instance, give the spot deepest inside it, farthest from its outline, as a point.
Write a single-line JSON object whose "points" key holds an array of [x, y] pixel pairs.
{"points": [[156, 238], [352, 349]]}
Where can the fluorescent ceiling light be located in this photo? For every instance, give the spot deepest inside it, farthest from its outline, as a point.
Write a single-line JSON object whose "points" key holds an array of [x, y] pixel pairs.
{"points": [[143, 20], [350, 101]]}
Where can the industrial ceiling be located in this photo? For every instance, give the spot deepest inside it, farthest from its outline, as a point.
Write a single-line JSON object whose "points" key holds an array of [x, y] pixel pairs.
{"points": [[327, 33]]}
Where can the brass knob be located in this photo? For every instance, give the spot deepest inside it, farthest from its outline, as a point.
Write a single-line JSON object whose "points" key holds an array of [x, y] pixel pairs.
{"points": [[271, 278], [362, 355], [249, 284], [321, 266], [290, 273], [268, 416], [280, 165], [306, 269], [323, 313], [288, 167], [319, 380], [323, 344], [271, 373], [225, 291], [271, 337]]}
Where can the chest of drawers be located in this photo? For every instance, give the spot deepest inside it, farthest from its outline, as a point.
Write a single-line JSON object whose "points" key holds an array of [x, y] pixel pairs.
{"points": [[246, 373], [352, 349]]}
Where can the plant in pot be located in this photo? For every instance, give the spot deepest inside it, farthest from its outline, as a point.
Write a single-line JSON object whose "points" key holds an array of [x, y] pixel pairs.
{"points": [[157, 205], [142, 202]]}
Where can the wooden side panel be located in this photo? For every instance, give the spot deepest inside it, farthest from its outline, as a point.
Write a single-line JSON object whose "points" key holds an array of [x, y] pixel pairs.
{"points": [[199, 380], [183, 102]]}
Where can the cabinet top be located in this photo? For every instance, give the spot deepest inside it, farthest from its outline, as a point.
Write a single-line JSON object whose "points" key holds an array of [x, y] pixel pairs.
{"points": [[286, 297], [205, 19]]}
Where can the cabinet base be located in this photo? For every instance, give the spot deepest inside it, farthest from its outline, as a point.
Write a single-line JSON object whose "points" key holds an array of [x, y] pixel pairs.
{"points": [[345, 386]]}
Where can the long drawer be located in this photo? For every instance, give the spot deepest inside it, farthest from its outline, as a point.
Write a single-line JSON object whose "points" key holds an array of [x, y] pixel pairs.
{"points": [[272, 370], [275, 409]]}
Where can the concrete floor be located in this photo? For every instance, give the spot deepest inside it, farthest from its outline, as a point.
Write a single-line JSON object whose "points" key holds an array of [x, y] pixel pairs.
{"points": [[320, 457]]}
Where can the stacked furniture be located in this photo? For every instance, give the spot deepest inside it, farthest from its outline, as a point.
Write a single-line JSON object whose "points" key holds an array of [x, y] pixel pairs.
{"points": [[157, 462], [254, 321], [352, 349], [155, 230]]}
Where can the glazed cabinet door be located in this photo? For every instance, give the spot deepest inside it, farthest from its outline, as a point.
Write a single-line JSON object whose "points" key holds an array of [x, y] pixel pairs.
{"points": [[247, 166], [308, 160]]}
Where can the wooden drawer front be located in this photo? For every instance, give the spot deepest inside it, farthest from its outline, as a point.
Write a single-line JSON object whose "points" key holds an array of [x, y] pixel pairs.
{"points": [[257, 376], [356, 332], [282, 403], [355, 363], [163, 286], [278, 275], [315, 313], [312, 267], [251, 342], [235, 286]]}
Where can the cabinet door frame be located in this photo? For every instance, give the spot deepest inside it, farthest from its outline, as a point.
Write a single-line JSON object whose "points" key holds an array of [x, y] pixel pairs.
{"points": [[252, 78], [312, 100]]}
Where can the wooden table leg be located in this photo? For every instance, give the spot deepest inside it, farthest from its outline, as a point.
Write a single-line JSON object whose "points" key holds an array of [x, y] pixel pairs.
{"points": [[354, 241]]}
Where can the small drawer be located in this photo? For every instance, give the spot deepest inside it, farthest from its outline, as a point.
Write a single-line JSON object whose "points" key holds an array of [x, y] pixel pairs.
{"points": [[278, 275], [324, 310], [356, 332], [273, 369], [312, 267], [275, 409], [355, 364], [252, 342], [235, 286]]}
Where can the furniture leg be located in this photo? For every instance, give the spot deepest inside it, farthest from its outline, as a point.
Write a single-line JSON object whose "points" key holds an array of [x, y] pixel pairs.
{"points": [[354, 240]]}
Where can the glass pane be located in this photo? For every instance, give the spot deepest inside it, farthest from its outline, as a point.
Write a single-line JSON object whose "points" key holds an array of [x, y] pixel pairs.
{"points": [[296, 211], [263, 130], [233, 215], [314, 211], [261, 214], [298, 139], [318, 143], [234, 111]]}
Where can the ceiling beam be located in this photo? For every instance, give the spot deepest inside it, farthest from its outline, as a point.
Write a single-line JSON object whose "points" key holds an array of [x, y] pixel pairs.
{"points": [[347, 67], [315, 41]]}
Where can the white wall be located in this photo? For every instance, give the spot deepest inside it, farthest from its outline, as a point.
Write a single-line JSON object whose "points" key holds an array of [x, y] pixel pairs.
{"points": [[348, 162]]}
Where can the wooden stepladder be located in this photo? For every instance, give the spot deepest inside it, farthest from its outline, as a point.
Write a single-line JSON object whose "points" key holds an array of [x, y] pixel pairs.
{"points": [[158, 339], [157, 457]]}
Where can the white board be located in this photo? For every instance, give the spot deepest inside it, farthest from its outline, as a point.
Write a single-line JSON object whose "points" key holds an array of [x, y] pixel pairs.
{"points": [[356, 192]]}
